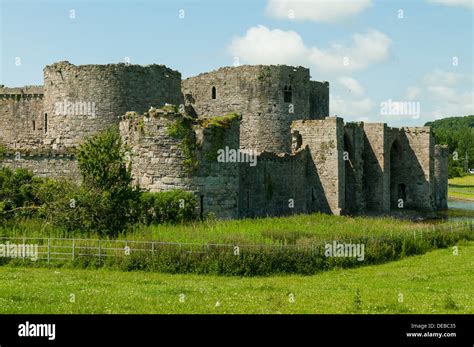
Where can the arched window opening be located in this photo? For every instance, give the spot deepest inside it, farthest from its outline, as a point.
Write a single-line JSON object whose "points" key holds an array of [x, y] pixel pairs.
{"points": [[213, 93]]}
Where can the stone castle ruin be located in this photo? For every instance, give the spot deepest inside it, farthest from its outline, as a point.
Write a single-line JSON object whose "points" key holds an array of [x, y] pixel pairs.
{"points": [[305, 161]]}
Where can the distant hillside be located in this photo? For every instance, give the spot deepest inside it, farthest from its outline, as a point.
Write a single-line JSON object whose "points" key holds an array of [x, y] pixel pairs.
{"points": [[454, 123], [458, 134]]}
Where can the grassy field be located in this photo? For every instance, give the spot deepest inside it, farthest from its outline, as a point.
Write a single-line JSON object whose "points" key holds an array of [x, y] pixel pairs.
{"points": [[437, 282], [461, 187], [297, 229]]}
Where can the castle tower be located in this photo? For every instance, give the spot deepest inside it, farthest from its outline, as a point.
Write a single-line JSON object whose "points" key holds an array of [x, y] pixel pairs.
{"points": [[82, 100], [269, 98], [20, 115]]}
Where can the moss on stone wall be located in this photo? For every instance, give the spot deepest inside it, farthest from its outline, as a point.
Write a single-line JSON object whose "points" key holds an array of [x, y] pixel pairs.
{"points": [[217, 142], [220, 121], [218, 126], [181, 129], [264, 74]]}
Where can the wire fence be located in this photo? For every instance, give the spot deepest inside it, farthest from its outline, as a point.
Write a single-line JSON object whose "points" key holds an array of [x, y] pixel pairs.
{"points": [[67, 249]]}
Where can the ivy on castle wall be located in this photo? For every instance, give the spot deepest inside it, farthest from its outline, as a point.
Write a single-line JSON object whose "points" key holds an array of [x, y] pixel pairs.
{"points": [[218, 126], [264, 74], [181, 129]]}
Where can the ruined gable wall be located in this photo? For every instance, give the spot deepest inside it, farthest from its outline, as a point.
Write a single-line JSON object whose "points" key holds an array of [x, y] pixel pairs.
{"points": [[319, 100], [354, 168], [324, 139], [420, 166], [376, 166]]}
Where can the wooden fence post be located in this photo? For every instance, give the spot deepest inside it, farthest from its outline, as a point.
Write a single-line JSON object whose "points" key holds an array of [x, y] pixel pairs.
{"points": [[100, 251], [49, 249]]}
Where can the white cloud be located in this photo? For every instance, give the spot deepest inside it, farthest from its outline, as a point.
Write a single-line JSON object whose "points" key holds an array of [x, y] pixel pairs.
{"points": [[448, 94], [463, 3], [413, 93], [450, 102], [261, 45], [316, 10], [352, 86], [440, 77], [366, 49], [351, 108]]}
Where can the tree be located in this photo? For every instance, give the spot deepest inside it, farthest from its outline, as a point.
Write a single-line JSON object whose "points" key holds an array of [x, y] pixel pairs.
{"points": [[458, 134], [108, 199]]}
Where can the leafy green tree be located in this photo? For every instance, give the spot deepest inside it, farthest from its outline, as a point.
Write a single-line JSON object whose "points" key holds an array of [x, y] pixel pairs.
{"points": [[108, 200], [458, 134], [18, 193]]}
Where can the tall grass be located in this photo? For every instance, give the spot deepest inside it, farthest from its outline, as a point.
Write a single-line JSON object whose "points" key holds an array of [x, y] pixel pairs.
{"points": [[297, 229], [269, 245]]}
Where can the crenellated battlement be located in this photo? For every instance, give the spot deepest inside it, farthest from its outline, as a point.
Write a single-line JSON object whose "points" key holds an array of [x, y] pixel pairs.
{"points": [[25, 93]]}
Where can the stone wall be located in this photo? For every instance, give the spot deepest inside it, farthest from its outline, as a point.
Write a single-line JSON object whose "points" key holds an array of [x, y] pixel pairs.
{"points": [[82, 100], [306, 160], [269, 98], [417, 168], [319, 100], [326, 171], [398, 168], [376, 181], [441, 153], [21, 121], [52, 165], [354, 168], [160, 163], [277, 185]]}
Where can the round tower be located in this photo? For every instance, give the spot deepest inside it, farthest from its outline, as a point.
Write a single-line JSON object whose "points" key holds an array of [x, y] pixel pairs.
{"points": [[80, 101], [269, 98]]}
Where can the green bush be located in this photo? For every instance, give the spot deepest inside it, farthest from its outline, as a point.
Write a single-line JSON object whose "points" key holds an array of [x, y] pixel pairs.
{"points": [[60, 206], [18, 193], [172, 206], [109, 200]]}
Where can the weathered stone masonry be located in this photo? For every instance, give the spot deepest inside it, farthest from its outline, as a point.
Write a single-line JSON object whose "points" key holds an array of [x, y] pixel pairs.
{"points": [[306, 160]]}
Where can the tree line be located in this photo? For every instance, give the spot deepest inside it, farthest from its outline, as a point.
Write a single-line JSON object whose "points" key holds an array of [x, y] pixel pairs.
{"points": [[458, 134]]}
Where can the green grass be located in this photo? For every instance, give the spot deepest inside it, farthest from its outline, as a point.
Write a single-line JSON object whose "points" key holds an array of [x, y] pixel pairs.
{"points": [[297, 229], [461, 187], [437, 282]]}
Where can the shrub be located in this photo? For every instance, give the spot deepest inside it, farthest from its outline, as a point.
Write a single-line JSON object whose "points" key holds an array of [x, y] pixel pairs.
{"points": [[18, 193], [60, 205], [172, 206], [109, 199]]}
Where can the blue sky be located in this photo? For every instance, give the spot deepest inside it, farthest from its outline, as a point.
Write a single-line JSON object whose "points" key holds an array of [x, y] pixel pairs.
{"points": [[367, 53]]}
